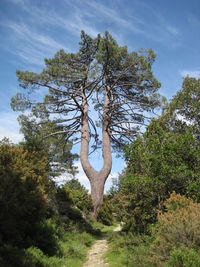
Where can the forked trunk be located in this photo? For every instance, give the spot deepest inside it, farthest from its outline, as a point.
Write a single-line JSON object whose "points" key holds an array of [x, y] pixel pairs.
{"points": [[97, 178], [97, 190]]}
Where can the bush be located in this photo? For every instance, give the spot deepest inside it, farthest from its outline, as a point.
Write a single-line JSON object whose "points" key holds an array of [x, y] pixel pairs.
{"points": [[36, 258], [138, 203], [105, 212], [179, 226], [79, 195], [24, 187], [11, 256], [129, 250], [46, 237], [183, 257]]}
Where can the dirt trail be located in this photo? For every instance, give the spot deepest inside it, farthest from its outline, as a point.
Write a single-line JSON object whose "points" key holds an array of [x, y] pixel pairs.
{"points": [[95, 256]]}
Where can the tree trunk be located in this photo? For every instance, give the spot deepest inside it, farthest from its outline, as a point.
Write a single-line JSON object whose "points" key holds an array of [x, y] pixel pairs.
{"points": [[97, 178]]}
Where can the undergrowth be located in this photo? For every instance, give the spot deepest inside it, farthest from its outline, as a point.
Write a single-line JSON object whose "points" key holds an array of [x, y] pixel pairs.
{"points": [[73, 249]]}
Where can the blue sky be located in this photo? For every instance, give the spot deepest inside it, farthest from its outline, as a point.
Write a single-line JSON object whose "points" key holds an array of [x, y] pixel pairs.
{"points": [[32, 30]]}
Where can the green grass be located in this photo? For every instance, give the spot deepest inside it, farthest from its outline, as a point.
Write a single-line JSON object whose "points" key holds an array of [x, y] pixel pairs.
{"points": [[73, 250], [119, 255], [75, 246], [131, 251], [104, 229]]}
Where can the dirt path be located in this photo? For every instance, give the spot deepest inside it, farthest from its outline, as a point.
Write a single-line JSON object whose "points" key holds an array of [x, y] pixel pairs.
{"points": [[95, 256]]}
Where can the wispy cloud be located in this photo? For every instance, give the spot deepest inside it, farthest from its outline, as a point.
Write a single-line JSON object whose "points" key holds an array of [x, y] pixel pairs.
{"points": [[172, 30], [72, 21], [31, 45], [190, 73], [193, 20], [95, 16]]}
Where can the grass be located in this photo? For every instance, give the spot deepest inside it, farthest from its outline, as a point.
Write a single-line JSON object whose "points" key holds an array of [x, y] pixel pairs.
{"points": [[73, 250], [76, 245], [73, 246], [126, 250], [105, 230]]}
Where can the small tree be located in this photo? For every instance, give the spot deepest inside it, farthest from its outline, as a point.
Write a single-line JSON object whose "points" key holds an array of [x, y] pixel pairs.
{"points": [[24, 194], [118, 84]]}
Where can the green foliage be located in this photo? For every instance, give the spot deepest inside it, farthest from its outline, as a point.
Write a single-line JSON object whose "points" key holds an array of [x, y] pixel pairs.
{"points": [[36, 258], [100, 62], [69, 215], [105, 213], [183, 257], [185, 104], [24, 187], [179, 226], [158, 163], [38, 138], [165, 159], [129, 250], [137, 202], [47, 237], [79, 195], [35, 215], [73, 247]]}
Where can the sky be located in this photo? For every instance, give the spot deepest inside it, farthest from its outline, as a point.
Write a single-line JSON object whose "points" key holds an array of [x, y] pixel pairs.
{"points": [[32, 30]]}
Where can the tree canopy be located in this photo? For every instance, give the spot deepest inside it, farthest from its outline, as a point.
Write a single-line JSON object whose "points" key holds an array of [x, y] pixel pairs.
{"points": [[101, 76], [98, 62]]}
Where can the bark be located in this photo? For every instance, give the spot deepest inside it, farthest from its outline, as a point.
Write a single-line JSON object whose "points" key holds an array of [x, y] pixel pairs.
{"points": [[97, 178]]}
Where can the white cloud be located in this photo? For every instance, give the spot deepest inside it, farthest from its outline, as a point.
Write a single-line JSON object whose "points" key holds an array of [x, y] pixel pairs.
{"points": [[9, 127], [81, 176], [190, 73], [62, 179], [172, 30], [92, 16], [74, 21], [183, 119], [31, 45], [193, 20], [85, 182]]}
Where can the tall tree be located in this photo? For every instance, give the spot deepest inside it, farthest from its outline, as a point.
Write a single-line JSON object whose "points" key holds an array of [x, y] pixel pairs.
{"points": [[118, 84], [183, 111]]}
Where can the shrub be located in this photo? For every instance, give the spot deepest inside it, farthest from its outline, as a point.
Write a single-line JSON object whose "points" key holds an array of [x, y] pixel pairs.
{"points": [[36, 258], [24, 187], [79, 195], [105, 212], [137, 203], [46, 237], [179, 226], [11, 256], [183, 257]]}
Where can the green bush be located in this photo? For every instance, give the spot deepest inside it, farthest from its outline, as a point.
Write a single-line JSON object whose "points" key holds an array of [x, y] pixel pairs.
{"points": [[183, 257], [12, 256], [105, 213], [179, 226], [24, 194], [47, 237], [137, 203], [129, 250], [36, 258], [78, 195]]}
